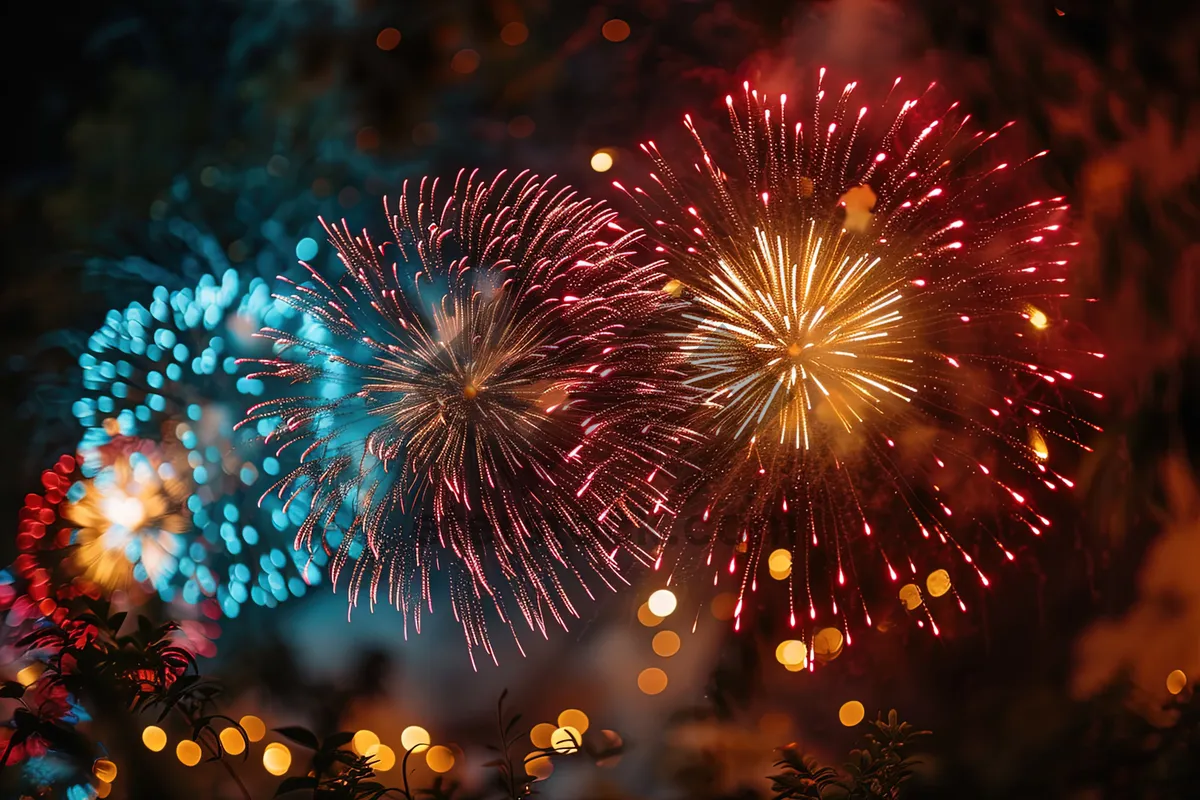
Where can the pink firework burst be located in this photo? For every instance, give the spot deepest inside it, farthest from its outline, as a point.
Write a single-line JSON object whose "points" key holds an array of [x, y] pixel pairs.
{"points": [[470, 406]]}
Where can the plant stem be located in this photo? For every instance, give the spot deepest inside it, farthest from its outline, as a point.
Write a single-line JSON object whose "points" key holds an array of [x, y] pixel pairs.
{"points": [[217, 754]]}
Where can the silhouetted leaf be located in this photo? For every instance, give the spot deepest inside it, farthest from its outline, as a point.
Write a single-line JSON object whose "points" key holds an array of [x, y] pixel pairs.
{"points": [[301, 736]]}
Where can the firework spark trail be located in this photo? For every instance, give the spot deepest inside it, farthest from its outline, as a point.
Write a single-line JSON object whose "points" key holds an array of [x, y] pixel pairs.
{"points": [[865, 327], [479, 403]]}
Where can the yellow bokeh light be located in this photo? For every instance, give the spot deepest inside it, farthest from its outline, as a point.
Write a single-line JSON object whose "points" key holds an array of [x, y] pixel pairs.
{"points": [[1038, 318], [27, 676], [277, 758], [574, 718], [362, 741], [791, 653], [538, 766], [665, 643], [938, 583], [103, 790], [1037, 443], [851, 713], [662, 603], [648, 617], [566, 740], [910, 595], [254, 727], [652, 680], [1176, 681], [723, 606], [415, 738], [232, 742], [154, 737], [541, 734], [602, 161], [383, 758], [440, 758], [105, 770], [780, 561], [188, 753], [828, 643]]}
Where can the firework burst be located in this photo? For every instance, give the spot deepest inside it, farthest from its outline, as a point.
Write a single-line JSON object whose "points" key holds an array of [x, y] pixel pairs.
{"points": [[167, 372], [477, 402], [870, 331]]}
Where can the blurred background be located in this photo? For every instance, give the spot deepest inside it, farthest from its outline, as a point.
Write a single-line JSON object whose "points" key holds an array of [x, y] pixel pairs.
{"points": [[152, 143]]}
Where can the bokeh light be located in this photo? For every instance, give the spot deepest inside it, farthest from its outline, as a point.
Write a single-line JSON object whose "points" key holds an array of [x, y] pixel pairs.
{"points": [[105, 770], [188, 753], [662, 603], [440, 758], [541, 734], [363, 740], [652, 680], [388, 39], [615, 30], [383, 757], [851, 713], [665, 643], [254, 727], [910, 596], [574, 718], [828, 643], [415, 738], [232, 741], [1176, 681], [779, 564], [723, 606], [465, 62], [154, 737], [648, 617], [602, 161], [792, 653], [277, 758], [514, 33], [566, 740], [938, 583], [538, 766]]}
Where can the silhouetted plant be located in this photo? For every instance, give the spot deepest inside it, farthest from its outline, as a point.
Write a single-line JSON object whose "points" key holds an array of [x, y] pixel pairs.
{"points": [[876, 771]]}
